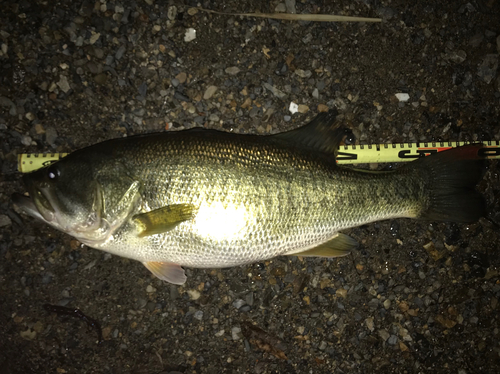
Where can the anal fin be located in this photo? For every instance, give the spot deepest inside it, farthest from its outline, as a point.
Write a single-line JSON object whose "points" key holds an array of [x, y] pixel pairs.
{"points": [[340, 245], [167, 271]]}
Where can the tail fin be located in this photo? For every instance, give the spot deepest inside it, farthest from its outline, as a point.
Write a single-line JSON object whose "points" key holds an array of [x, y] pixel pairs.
{"points": [[451, 177]]}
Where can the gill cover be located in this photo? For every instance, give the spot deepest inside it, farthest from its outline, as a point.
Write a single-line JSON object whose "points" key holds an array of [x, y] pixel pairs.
{"points": [[85, 199]]}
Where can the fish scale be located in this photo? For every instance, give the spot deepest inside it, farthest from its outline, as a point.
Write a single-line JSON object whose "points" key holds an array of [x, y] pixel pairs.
{"points": [[292, 200]]}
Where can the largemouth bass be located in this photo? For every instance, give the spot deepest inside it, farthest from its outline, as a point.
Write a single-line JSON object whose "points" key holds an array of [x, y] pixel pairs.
{"points": [[210, 199]]}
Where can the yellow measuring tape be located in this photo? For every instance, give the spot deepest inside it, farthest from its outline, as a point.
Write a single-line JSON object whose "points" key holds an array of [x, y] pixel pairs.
{"points": [[28, 162], [348, 154]]}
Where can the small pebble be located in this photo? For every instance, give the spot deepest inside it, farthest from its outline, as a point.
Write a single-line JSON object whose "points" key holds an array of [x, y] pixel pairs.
{"points": [[303, 108], [249, 298], [39, 129], [322, 108], [181, 77], [64, 84], [303, 73], [488, 68], [219, 333], [181, 97], [46, 279], [276, 92], [101, 79], [476, 40], [26, 140], [156, 29], [232, 70], [236, 333], [385, 13], [143, 89], [172, 13], [290, 6], [384, 335], [198, 315], [238, 303], [280, 8], [28, 334], [210, 91], [194, 294], [175, 82], [342, 292], [141, 303], [387, 304], [120, 52], [5, 220], [393, 339], [6, 102], [94, 37], [307, 39], [369, 323], [253, 112], [50, 135], [457, 56]]}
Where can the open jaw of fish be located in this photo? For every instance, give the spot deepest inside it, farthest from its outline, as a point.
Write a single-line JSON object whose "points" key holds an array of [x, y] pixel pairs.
{"points": [[206, 199]]}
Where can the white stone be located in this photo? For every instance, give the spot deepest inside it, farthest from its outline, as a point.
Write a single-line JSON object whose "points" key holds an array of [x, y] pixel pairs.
{"points": [[293, 108], [403, 97], [190, 35]]}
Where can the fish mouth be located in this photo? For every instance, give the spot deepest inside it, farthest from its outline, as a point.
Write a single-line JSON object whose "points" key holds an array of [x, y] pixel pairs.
{"points": [[38, 204], [27, 205], [41, 200]]}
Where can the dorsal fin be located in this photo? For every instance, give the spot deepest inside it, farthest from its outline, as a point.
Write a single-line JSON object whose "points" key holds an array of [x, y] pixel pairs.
{"points": [[322, 134]]}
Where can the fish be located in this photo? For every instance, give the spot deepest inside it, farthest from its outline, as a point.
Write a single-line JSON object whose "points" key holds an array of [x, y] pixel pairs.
{"points": [[204, 198]]}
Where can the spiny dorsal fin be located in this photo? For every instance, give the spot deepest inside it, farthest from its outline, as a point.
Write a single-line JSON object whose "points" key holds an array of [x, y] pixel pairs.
{"points": [[322, 134]]}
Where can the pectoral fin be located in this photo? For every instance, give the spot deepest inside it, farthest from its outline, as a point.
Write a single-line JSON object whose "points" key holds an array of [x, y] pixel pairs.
{"points": [[167, 271], [340, 245], [163, 219]]}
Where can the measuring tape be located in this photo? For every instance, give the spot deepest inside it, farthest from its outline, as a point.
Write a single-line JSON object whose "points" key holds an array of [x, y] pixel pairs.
{"points": [[402, 152], [348, 154], [28, 162]]}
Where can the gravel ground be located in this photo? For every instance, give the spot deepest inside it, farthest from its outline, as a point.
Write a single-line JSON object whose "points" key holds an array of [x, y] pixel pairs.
{"points": [[415, 298]]}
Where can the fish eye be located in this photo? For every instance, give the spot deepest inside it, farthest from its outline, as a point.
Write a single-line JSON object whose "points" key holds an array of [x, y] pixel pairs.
{"points": [[350, 138], [53, 173]]}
